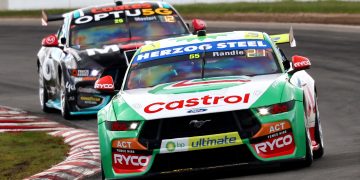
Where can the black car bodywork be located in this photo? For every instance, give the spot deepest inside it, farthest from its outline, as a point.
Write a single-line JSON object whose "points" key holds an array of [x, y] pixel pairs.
{"points": [[82, 51]]}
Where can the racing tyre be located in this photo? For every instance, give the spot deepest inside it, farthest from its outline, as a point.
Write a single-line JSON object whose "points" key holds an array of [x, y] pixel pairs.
{"points": [[102, 172], [65, 110], [309, 153], [318, 134], [43, 95]]}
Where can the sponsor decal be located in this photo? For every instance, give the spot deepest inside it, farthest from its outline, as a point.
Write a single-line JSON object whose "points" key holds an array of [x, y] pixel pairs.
{"points": [[197, 110], [90, 99], [150, 18], [104, 83], [105, 50], [271, 128], [104, 86], [88, 79], [302, 64], [69, 87], [50, 39], [198, 85], [253, 35], [87, 90], [193, 102], [129, 143], [200, 47], [210, 36], [129, 163], [200, 142], [131, 160], [120, 8], [276, 144], [170, 146], [102, 14]]}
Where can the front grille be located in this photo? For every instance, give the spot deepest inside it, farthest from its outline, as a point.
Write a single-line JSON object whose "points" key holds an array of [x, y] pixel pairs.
{"points": [[202, 158], [242, 121]]}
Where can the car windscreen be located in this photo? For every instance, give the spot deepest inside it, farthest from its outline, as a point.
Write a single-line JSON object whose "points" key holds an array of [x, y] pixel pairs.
{"points": [[122, 28], [237, 62]]}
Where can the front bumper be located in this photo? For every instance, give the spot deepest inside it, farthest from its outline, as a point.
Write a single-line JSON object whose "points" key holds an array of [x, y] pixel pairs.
{"points": [[85, 100], [274, 142]]}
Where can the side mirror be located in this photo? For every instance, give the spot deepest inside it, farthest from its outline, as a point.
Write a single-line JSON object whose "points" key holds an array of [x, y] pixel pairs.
{"points": [[105, 83], [198, 25], [50, 41], [300, 63]]}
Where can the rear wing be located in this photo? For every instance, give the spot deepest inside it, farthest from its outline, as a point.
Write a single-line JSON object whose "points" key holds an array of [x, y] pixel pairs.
{"points": [[45, 18], [284, 38]]}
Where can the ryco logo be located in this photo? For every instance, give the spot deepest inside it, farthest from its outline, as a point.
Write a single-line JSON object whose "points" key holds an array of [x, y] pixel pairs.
{"points": [[192, 102], [104, 86], [302, 64], [277, 143], [131, 160]]}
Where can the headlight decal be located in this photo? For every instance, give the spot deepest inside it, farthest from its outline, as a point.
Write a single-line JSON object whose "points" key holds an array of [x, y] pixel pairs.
{"points": [[276, 108]]}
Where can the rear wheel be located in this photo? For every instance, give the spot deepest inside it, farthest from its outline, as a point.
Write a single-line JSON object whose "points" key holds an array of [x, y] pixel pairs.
{"points": [[318, 153], [65, 110], [43, 94]]}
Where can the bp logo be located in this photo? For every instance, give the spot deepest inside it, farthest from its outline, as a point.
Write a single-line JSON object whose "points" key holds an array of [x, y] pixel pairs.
{"points": [[199, 85], [170, 146]]}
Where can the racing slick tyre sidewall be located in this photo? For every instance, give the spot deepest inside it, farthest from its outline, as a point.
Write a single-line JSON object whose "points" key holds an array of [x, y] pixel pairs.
{"points": [[43, 95], [65, 112], [102, 172], [318, 133], [309, 153]]}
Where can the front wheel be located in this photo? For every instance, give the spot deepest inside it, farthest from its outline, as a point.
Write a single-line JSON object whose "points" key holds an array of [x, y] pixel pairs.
{"points": [[43, 94], [318, 153], [309, 153], [65, 110]]}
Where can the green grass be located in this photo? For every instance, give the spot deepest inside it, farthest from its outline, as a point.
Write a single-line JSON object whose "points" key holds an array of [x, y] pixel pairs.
{"points": [[285, 6], [30, 13], [26, 153]]}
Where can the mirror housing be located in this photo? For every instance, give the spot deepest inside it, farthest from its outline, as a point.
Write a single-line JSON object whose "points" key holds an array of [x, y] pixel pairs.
{"points": [[300, 63], [50, 41], [105, 84], [198, 25]]}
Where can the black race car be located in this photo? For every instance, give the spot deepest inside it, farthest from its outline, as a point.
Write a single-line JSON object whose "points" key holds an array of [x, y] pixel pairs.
{"points": [[94, 42]]}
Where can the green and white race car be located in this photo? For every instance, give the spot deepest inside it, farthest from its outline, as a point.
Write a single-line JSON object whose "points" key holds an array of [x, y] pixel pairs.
{"points": [[210, 100]]}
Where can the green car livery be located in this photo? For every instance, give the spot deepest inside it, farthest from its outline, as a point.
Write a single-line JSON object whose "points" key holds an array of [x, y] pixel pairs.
{"points": [[209, 100]]}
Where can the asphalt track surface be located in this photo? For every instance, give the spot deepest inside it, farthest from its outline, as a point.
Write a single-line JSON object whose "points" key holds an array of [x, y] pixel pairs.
{"points": [[333, 50]]}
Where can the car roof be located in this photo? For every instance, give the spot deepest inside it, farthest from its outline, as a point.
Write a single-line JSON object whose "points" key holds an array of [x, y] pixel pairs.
{"points": [[125, 6]]}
